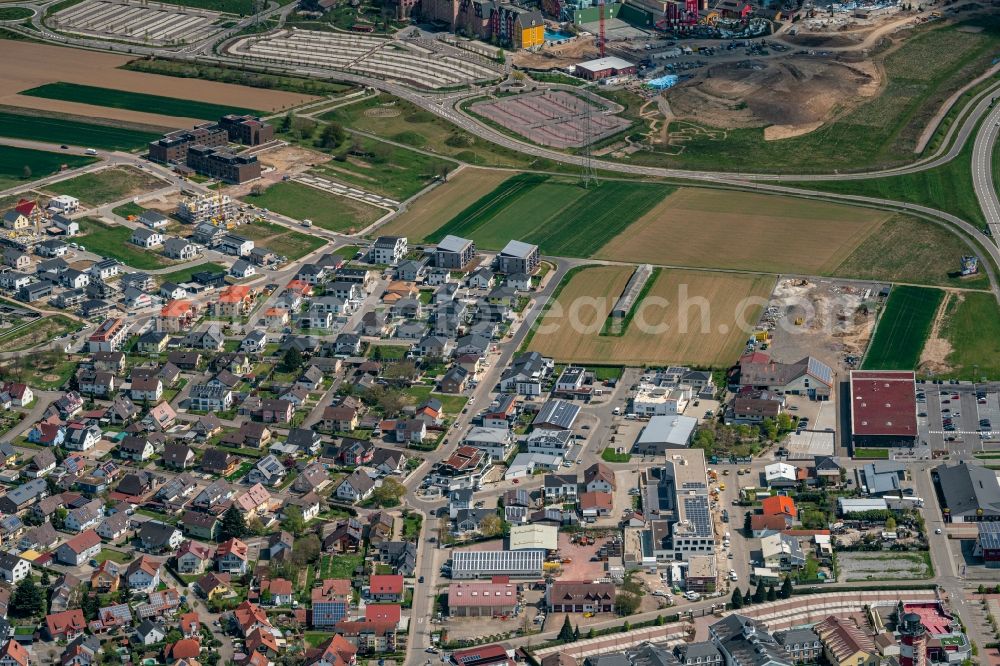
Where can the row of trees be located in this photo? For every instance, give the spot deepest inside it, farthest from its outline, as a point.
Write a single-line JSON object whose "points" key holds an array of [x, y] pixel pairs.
{"points": [[761, 594]]}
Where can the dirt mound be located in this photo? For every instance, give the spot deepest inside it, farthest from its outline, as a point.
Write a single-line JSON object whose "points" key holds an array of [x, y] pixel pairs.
{"points": [[798, 94]]}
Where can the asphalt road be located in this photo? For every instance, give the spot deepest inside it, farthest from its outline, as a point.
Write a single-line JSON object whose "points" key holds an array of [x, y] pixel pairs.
{"points": [[982, 170]]}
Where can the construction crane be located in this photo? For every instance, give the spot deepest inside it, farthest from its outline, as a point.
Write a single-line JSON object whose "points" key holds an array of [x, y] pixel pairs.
{"points": [[600, 36]]}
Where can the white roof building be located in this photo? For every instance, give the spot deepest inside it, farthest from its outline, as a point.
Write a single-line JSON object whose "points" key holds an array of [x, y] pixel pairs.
{"points": [[534, 537], [780, 474]]}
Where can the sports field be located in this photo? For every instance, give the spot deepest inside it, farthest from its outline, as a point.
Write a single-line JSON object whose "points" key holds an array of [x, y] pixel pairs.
{"points": [[133, 101], [39, 163], [903, 328], [708, 228], [64, 130], [559, 215], [107, 185], [444, 202], [697, 317]]}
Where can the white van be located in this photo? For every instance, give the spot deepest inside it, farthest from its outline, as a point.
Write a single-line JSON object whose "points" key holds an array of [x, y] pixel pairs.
{"points": [[616, 411], [91, 151], [307, 223]]}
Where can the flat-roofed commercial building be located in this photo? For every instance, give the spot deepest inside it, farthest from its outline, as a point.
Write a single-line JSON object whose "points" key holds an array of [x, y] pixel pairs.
{"points": [[489, 563], [883, 408]]}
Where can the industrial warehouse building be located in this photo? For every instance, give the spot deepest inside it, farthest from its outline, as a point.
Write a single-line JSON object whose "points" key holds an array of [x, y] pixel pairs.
{"points": [[489, 563], [883, 408], [603, 68]]}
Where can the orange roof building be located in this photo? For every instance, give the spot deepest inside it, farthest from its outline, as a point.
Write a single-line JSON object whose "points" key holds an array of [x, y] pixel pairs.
{"points": [[778, 505], [234, 300]]}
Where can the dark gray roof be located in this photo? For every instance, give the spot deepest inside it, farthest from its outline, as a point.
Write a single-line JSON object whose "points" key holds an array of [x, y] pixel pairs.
{"points": [[968, 488]]}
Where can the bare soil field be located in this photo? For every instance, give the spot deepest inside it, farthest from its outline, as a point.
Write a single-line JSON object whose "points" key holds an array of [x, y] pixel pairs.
{"points": [[28, 65], [716, 229], [793, 93], [291, 159], [444, 202], [696, 317]]}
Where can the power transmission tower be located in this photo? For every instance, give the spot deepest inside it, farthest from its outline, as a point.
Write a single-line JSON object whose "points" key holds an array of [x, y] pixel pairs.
{"points": [[588, 177]]}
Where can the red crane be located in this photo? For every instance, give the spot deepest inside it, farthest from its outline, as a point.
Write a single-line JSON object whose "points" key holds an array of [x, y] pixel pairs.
{"points": [[600, 36]]}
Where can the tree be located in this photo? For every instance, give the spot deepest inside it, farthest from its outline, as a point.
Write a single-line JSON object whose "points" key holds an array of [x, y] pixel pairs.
{"points": [[28, 599], [173, 636], [46, 578], [626, 626], [771, 593], [491, 526], [659, 621], [389, 493], [26, 172], [59, 517], [291, 361], [576, 633], [332, 136], [737, 598], [786, 588], [747, 598], [626, 603], [257, 189], [590, 633], [90, 607], [286, 122], [760, 594], [293, 522], [233, 525], [890, 524], [566, 633], [981, 589]]}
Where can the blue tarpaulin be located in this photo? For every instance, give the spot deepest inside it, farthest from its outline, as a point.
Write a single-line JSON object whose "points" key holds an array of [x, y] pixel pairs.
{"points": [[664, 82]]}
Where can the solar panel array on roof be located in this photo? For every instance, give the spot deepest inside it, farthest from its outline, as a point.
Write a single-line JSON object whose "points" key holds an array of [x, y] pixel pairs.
{"points": [[696, 511], [989, 535], [819, 370]]}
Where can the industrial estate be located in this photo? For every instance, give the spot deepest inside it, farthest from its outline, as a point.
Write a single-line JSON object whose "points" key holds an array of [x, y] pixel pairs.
{"points": [[520, 332]]}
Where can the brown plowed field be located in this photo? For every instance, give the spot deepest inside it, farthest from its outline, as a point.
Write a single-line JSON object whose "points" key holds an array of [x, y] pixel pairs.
{"points": [[432, 210], [27, 65], [696, 317], [707, 228]]}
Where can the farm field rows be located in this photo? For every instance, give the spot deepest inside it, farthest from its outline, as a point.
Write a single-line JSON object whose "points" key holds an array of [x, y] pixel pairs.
{"points": [[444, 202], [708, 228], [903, 328], [326, 210], [66, 130], [107, 185], [39, 163], [560, 216], [29, 65], [133, 101], [696, 317]]}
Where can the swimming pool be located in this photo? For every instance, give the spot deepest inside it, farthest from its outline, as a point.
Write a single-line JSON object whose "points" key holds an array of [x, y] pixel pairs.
{"points": [[556, 35]]}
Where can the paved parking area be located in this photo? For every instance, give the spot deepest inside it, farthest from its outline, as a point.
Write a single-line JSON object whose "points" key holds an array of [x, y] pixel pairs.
{"points": [[957, 418]]}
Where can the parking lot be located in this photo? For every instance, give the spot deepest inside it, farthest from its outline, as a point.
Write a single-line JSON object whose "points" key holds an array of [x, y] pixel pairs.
{"points": [[957, 417]]}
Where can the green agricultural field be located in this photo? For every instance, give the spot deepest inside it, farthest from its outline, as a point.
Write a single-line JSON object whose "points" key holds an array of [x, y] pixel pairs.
{"points": [[107, 185], [972, 328], [113, 241], [326, 210], [385, 169], [903, 328], [14, 13], [237, 76], [561, 217], [18, 165], [882, 131], [914, 250], [123, 99], [64, 130]]}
